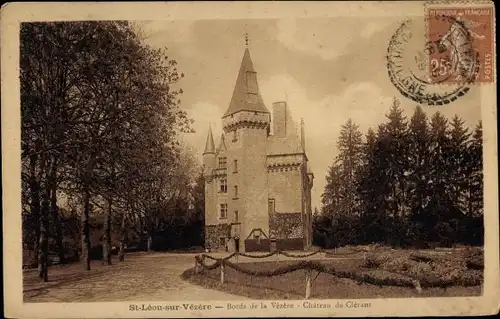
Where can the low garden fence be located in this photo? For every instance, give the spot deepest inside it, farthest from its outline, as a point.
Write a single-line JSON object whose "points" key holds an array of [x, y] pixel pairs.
{"points": [[310, 266], [277, 253]]}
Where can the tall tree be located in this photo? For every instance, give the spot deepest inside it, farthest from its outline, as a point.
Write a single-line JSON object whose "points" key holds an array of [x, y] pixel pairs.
{"points": [[341, 204], [439, 205], [474, 232], [198, 191], [339, 195], [475, 162], [89, 91], [418, 173], [395, 136], [331, 196], [350, 148], [375, 188], [457, 162]]}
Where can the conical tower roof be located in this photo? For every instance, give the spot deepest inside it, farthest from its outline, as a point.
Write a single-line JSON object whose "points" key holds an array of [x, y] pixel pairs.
{"points": [[222, 145], [209, 145], [246, 94]]}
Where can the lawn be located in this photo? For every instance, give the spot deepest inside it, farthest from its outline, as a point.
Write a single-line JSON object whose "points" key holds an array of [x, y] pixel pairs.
{"points": [[326, 286]]}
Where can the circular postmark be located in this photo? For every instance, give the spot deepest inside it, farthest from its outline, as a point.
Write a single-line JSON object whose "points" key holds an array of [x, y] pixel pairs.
{"points": [[433, 68]]}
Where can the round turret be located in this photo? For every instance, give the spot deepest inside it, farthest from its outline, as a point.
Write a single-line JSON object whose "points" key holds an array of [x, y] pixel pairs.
{"points": [[209, 154]]}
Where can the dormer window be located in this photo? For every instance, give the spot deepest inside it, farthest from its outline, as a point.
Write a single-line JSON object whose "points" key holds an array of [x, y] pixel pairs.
{"points": [[235, 136]]}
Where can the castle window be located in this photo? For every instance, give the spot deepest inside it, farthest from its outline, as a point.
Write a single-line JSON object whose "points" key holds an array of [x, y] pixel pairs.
{"points": [[235, 216], [223, 211], [235, 136], [235, 191], [223, 185], [222, 162], [235, 166]]}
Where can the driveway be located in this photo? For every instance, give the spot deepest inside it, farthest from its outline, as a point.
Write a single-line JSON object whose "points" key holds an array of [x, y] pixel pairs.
{"points": [[141, 277]]}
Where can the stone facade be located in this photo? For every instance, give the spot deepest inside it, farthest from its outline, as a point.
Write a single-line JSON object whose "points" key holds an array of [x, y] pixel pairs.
{"points": [[255, 178], [286, 225], [288, 230], [213, 235]]}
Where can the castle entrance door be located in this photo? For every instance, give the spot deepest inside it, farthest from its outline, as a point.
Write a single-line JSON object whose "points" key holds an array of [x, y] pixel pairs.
{"points": [[273, 244], [237, 245]]}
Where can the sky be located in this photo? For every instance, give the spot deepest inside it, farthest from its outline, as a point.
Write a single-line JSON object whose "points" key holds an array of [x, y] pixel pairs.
{"points": [[327, 69]]}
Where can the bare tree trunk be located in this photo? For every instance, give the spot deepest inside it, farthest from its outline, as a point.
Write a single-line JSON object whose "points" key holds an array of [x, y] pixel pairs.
{"points": [[35, 198], [57, 219], [86, 229], [121, 253], [44, 238], [106, 245], [43, 246], [150, 242]]}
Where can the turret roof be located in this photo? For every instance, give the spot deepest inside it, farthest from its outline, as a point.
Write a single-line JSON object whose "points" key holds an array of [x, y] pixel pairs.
{"points": [[209, 145], [246, 94], [222, 145]]}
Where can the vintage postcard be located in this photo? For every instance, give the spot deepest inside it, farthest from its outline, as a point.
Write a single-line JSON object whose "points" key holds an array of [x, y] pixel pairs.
{"points": [[249, 159]]}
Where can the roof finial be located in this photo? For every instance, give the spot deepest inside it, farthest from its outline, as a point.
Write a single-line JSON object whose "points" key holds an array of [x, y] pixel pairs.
{"points": [[246, 39]]}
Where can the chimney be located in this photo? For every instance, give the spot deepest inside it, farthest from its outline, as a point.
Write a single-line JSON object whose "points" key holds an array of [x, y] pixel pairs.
{"points": [[279, 118]]}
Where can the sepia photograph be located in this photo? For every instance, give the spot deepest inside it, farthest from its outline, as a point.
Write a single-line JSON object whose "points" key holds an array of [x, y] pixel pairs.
{"points": [[252, 164]]}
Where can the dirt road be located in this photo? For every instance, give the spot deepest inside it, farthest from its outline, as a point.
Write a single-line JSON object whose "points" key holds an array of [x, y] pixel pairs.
{"points": [[141, 277]]}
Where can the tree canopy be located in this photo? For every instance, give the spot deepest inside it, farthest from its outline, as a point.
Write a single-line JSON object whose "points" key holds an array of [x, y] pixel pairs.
{"points": [[101, 117], [410, 182]]}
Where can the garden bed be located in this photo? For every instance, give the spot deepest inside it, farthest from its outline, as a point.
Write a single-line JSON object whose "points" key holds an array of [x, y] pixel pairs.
{"points": [[325, 286]]}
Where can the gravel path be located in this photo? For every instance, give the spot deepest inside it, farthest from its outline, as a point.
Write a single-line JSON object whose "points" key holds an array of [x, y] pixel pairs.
{"points": [[141, 277]]}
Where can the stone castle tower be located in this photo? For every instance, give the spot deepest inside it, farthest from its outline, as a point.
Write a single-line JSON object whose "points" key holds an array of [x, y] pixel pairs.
{"points": [[257, 185]]}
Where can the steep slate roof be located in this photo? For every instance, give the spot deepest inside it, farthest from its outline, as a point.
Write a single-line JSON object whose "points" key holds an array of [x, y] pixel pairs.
{"points": [[246, 94], [288, 144], [209, 145]]}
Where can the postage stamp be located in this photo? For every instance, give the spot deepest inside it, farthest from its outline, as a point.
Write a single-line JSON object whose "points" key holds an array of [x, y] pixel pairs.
{"points": [[409, 66], [454, 53], [457, 36], [249, 159]]}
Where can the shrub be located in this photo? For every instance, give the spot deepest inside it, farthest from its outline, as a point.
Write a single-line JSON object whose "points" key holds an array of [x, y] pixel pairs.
{"points": [[474, 258], [449, 270], [445, 270], [377, 259], [371, 262]]}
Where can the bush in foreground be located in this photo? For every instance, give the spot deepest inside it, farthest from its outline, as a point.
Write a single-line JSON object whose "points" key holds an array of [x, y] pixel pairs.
{"points": [[352, 282], [438, 271]]}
